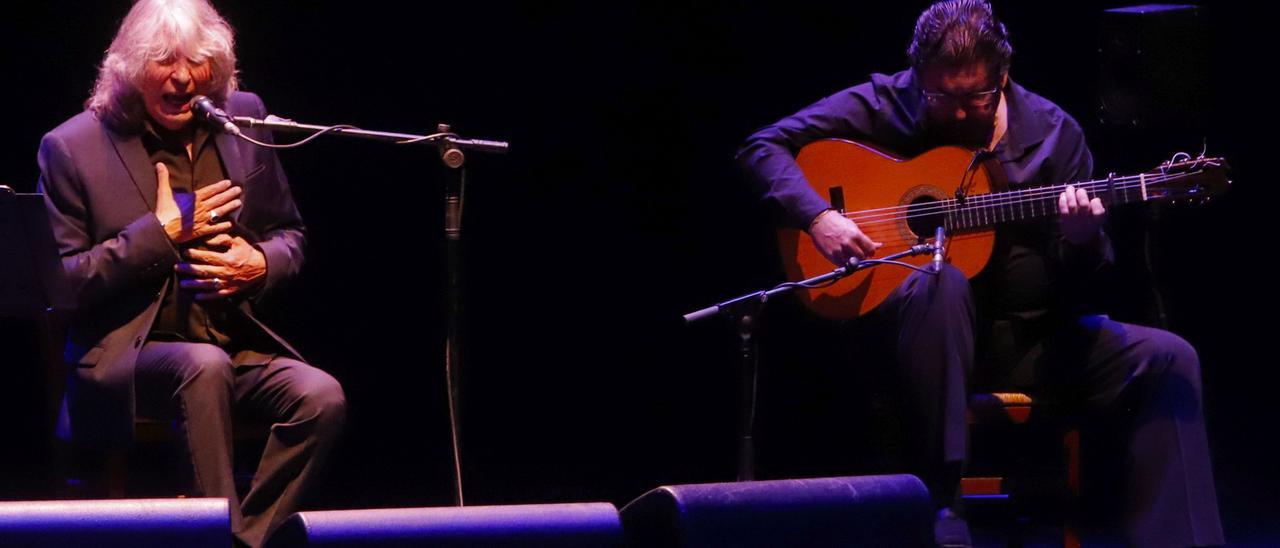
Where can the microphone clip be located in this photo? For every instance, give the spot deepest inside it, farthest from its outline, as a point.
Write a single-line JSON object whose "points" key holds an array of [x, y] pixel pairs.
{"points": [[206, 111], [450, 154]]}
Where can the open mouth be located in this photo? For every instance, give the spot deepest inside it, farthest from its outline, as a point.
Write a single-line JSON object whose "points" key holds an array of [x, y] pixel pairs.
{"points": [[177, 101]]}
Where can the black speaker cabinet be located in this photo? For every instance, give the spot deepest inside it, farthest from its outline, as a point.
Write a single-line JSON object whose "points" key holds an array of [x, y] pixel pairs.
{"points": [[1154, 71], [849, 511], [143, 523], [544, 525]]}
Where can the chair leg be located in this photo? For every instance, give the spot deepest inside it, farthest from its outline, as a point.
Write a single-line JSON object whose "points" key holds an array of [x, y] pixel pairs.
{"points": [[1071, 445]]}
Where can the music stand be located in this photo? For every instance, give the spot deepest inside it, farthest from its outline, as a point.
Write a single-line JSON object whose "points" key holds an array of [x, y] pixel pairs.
{"points": [[32, 291], [31, 277]]}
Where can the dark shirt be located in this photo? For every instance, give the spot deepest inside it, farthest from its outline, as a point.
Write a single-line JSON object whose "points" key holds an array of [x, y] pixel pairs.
{"points": [[181, 317], [1042, 145]]}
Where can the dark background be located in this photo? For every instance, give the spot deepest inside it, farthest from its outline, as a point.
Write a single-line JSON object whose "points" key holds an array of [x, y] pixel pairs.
{"points": [[618, 210]]}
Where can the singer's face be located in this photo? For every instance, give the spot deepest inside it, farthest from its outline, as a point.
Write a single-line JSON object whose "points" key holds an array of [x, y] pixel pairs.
{"points": [[167, 88]]}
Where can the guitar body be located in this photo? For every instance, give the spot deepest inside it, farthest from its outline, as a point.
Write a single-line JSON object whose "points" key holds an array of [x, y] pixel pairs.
{"points": [[868, 180]]}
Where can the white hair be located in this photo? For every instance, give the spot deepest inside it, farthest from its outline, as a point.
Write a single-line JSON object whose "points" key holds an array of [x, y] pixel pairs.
{"points": [[155, 30]]}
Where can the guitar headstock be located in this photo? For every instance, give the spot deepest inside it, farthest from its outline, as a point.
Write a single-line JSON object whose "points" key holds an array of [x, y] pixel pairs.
{"points": [[1186, 180]]}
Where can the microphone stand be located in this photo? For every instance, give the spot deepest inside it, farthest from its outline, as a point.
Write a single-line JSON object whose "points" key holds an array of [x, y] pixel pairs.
{"points": [[744, 310], [275, 123], [450, 147]]}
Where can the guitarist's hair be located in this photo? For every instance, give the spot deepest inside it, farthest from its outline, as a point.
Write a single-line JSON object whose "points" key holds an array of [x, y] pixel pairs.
{"points": [[957, 32]]}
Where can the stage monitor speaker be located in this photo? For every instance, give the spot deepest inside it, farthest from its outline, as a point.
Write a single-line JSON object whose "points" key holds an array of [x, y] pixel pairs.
{"points": [[1154, 72], [543, 525], [141, 523], [848, 511]]}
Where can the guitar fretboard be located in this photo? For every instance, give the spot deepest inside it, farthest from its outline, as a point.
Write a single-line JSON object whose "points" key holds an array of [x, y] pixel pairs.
{"points": [[986, 210], [1195, 179]]}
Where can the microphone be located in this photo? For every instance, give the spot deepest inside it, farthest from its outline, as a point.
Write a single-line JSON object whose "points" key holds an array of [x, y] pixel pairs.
{"points": [[207, 111], [939, 239]]}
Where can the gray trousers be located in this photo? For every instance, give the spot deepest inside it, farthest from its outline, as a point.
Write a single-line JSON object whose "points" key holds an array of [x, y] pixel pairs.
{"points": [[1141, 383], [197, 384]]}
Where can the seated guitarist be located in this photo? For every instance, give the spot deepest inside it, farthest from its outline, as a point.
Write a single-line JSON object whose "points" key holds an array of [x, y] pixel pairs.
{"points": [[1139, 384]]}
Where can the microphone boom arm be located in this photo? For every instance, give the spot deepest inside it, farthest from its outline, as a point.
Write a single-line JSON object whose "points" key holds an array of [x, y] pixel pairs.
{"points": [[276, 123]]}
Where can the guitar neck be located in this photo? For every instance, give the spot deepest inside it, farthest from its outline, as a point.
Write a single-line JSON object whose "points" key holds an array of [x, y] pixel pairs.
{"points": [[987, 210]]}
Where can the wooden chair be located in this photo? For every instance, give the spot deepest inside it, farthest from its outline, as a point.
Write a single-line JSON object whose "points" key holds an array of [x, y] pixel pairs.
{"points": [[1015, 439]]}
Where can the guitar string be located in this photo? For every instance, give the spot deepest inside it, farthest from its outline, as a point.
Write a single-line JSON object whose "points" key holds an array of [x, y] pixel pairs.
{"points": [[976, 206], [1039, 188], [999, 199], [870, 217], [885, 227], [1153, 176]]}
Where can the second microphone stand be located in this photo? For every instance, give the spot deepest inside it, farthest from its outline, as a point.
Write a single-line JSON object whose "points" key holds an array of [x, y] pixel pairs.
{"points": [[745, 310]]}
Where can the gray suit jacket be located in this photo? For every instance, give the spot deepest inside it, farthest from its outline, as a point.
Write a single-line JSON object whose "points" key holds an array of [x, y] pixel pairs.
{"points": [[100, 192]]}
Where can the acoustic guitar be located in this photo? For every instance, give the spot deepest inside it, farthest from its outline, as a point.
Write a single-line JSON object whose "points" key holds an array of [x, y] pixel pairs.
{"points": [[899, 202]]}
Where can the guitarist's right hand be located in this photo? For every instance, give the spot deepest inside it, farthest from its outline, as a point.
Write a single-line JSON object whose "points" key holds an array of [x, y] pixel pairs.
{"points": [[838, 238]]}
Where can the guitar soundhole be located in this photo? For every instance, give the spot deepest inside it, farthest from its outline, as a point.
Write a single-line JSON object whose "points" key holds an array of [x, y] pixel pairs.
{"points": [[924, 216]]}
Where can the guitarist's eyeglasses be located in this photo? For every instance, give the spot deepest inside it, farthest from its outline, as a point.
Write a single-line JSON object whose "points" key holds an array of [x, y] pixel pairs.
{"points": [[981, 99]]}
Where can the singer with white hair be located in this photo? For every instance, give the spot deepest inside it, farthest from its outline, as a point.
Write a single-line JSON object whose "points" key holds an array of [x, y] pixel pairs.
{"points": [[171, 232]]}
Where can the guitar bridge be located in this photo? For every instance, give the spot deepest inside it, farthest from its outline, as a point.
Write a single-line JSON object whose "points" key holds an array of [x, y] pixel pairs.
{"points": [[835, 195]]}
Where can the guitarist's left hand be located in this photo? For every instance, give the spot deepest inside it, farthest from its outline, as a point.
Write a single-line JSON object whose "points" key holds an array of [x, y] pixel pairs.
{"points": [[1080, 216]]}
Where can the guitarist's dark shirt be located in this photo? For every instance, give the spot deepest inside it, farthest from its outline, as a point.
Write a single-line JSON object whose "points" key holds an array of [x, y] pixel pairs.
{"points": [[1032, 273]]}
